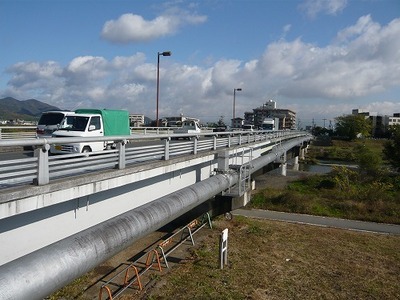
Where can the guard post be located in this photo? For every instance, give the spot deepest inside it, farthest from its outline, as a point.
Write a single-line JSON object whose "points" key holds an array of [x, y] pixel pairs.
{"points": [[223, 249]]}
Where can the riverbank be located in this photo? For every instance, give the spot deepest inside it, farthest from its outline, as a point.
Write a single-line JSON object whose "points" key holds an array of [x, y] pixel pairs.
{"points": [[344, 193], [279, 260]]}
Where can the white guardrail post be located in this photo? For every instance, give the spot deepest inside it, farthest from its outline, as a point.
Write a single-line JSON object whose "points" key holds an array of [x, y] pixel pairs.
{"points": [[166, 149], [121, 154], [42, 153], [195, 145]]}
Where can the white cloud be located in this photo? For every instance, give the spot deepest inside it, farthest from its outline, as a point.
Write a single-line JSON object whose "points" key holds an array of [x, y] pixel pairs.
{"points": [[84, 70], [331, 7], [324, 81], [132, 28], [34, 74]]}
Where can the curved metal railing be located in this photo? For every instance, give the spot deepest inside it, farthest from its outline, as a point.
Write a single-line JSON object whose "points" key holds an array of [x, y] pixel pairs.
{"points": [[39, 168]]}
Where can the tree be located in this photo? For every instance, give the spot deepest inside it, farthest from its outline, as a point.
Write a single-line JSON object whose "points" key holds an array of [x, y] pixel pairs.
{"points": [[317, 130], [391, 148], [369, 162], [221, 122], [353, 126]]}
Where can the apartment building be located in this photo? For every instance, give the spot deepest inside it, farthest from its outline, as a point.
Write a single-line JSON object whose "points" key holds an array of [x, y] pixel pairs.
{"points": [[287, 117]]}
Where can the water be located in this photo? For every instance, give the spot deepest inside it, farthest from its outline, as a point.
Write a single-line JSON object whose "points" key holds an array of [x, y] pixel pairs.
{"points": [[325, 166], [320, 169]]}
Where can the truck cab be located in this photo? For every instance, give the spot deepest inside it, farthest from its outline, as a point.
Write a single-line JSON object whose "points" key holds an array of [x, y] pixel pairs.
{"points": [[80, 125], [50, 121], [248, 127], [188, 126]]}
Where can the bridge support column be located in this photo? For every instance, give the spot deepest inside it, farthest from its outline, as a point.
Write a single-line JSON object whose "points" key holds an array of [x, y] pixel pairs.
{"points": [[241, 201], [302, 153], [284, 164], [223, 160], [296, 163]]}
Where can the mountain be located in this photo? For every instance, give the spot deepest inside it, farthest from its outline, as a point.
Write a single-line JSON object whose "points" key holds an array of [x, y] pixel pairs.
{"points": [[11, 109]]}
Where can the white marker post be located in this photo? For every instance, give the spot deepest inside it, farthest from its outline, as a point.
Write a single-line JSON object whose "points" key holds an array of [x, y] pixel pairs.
{"points": [[223, 248]]}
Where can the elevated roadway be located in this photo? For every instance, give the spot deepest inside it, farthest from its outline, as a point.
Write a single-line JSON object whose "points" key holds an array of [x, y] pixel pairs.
{"points": [[73, 212]]}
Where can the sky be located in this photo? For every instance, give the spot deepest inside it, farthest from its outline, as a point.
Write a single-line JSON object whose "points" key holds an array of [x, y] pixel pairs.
{"points": [[319, 58]]}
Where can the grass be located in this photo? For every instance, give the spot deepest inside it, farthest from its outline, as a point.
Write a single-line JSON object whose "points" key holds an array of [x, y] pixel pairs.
{"points": [[326, 195], [273, 260], [369, 193], [343, 150]]}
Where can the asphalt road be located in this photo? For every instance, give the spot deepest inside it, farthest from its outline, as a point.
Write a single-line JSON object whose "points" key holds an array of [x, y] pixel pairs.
{"points": [[320, 221]]}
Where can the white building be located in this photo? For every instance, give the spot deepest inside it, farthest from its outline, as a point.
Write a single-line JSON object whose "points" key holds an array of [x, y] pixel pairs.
{"points": [[392, 120], [136, 120]]}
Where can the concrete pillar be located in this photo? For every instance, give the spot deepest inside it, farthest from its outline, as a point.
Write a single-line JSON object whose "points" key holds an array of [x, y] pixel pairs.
{"points": [[283, 169], [296, 163], [302, 153], [223, 160], [284, 165]]}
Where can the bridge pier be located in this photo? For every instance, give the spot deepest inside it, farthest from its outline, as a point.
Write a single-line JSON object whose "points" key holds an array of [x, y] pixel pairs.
{"points": [[284, 164], [296, 163], [302, 153], [235, 198]]}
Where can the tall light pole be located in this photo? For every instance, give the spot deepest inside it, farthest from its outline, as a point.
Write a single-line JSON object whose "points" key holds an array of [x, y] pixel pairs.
{"points": [[234, 104], [165, 53]]}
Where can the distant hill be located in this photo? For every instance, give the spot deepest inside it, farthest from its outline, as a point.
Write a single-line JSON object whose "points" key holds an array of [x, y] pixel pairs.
{"points": [[11, 109]]}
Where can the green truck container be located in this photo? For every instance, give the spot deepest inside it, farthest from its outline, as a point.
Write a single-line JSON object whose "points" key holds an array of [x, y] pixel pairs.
{"points": [[115, 122]]}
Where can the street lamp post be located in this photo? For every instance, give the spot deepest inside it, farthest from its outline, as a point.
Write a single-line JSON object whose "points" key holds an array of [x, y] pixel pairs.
{"points": [[165, 53], [234, 104]]}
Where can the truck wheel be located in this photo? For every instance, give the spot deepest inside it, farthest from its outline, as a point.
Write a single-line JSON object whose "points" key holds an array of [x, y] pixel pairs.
{"points": [[86, 149]]}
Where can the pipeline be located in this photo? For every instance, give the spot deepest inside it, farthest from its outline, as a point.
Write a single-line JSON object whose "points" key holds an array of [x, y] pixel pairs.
{"points": [[46, 270], [276, 152]]}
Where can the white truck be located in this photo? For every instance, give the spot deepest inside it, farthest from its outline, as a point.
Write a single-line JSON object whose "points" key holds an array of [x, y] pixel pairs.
{"points": [[270, 124], [51, 121], [91, 123], [189, 126]]}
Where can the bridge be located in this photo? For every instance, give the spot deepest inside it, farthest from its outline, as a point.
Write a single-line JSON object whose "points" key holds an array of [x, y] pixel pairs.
{"points": [[61, 216]]}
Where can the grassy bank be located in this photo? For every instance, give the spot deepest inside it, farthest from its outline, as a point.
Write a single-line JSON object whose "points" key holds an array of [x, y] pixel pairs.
{"points": [[369, 193], [341, 194], [327, 149], [274, 260]]}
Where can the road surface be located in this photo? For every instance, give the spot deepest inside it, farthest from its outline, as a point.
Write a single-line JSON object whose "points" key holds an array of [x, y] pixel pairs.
{"points": [[320, 221]]}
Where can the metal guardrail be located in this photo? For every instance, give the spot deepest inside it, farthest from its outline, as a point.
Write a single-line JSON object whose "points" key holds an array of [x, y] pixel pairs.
{"points": [[23, 132], [41, 168], [17, 132]]}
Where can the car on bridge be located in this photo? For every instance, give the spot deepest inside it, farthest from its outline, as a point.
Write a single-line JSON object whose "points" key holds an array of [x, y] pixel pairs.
{"points": [[51, 121]]}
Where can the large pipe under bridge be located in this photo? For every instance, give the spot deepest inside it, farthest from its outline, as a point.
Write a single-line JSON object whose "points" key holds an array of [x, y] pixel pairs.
{"points": [[46, 270]]}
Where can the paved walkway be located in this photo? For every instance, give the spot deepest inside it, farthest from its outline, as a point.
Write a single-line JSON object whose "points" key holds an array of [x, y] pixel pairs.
{"points": [[320, 221]]}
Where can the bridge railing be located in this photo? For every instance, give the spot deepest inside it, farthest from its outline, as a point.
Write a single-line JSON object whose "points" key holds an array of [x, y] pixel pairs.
{"points": [[17, 132], [24, 132], [40, 168]]}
